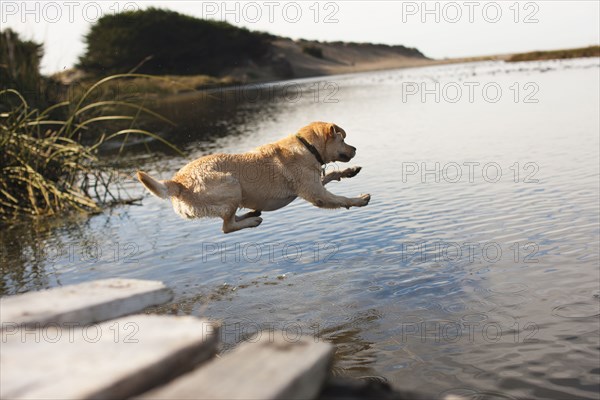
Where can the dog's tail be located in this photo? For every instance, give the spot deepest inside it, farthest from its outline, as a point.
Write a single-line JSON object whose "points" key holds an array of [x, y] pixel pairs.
{"points": [[162, 189]]}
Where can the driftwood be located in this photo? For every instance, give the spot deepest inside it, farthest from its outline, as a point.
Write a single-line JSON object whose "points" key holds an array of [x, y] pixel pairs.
{"points": [[54, 347], [82, 304]]}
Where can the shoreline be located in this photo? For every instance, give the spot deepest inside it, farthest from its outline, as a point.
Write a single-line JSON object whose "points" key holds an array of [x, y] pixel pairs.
{"points": [[290, 61], [338, 59], [341, 58]]}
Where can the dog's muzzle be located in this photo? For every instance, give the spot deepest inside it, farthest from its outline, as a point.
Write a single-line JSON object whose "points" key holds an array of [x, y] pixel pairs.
{"points": [[345, 157]]}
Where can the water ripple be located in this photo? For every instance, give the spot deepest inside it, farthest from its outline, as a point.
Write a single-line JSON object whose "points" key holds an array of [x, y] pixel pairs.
{"points": [[513, 264]]}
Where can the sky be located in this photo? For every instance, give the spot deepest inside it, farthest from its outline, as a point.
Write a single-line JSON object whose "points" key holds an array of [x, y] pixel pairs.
{"points": [[439, 29]]}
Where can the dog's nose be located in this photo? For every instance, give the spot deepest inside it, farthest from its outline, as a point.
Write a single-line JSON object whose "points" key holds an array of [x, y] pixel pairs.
{"points": [[353, 148]]}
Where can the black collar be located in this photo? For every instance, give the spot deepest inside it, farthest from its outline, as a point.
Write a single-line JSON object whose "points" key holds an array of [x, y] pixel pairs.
{"points": [[312, 149]]}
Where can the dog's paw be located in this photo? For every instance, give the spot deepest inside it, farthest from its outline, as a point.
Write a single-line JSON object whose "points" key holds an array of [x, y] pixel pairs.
{"points": [[351, 172], [363, 200], [253, 222]]}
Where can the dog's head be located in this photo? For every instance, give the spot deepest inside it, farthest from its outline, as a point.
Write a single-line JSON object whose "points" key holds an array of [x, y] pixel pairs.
{"points": [[329, 139]]}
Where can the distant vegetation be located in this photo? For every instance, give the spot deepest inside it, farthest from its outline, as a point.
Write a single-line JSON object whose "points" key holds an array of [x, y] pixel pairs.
{"points": [[156, 41], [592, 51], [20, 66], [398, 48], [312, 50]]}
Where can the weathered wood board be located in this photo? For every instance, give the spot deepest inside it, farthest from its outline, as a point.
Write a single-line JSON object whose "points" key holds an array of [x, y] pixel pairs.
{"points": [[114, 359], [83, 303], [271, 368]]}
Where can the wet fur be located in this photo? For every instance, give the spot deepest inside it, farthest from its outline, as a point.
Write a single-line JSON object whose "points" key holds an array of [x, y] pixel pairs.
{"points": [[266, 179]]}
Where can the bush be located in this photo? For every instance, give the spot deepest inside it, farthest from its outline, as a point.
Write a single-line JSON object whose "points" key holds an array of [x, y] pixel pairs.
{"points": [[46, 165], [312, 50], [156, 41], [19, 65]]}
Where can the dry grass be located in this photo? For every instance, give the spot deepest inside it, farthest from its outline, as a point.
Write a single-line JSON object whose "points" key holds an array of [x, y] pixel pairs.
{"points": [[136, 86], [171, 84], [50, 165], [591, 51]]}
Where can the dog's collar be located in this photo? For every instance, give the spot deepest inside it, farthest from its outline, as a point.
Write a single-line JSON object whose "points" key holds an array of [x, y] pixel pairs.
{"points": [[312, 149]]}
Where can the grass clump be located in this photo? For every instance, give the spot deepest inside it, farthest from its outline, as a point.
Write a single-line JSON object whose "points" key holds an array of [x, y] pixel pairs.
{"points": [[591, 51], [49, 165]]}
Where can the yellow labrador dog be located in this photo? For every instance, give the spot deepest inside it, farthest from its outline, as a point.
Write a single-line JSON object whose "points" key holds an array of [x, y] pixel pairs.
{"points": [[266, 179]]}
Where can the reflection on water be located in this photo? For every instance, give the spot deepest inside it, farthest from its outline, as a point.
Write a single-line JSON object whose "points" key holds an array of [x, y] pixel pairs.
{"points": [[474, 270]]}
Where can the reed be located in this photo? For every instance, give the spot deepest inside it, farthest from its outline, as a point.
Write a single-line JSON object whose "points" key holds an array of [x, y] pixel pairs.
{"points": [[51, 165]]}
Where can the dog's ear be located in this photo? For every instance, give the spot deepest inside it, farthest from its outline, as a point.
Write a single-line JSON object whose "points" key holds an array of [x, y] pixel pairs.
{"points": [[333, 129]]}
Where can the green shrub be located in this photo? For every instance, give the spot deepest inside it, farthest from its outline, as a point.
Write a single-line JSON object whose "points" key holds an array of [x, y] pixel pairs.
{"points": [[163, 42], [19, 66], [312, 50]]}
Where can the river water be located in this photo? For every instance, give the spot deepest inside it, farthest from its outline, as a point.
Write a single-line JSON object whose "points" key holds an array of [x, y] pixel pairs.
{"points": [[474, 269]]}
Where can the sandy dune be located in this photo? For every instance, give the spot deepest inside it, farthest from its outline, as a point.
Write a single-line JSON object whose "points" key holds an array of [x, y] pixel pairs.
{"points": [[290, 61]]}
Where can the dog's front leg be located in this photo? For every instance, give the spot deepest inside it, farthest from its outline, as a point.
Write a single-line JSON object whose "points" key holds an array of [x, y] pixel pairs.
{"points": [[320, 197], [338, 175], [332, 176]]}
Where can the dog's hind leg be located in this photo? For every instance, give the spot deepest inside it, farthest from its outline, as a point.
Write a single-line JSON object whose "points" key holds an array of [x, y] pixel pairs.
{"points": [[222, 196], [231, 224], [250, 214]]}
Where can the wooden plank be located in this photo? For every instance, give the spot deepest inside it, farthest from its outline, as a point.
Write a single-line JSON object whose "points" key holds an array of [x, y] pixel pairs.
{"points": [[83, 303], [114, 359], [271, 368]]}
